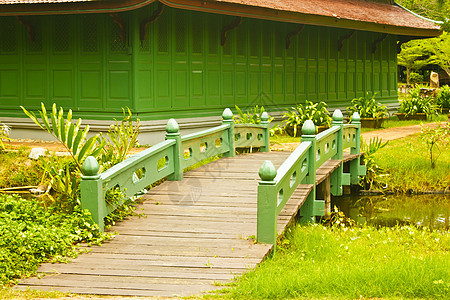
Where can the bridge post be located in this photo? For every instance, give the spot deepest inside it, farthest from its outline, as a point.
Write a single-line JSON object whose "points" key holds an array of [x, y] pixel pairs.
{"points": [[227, 116], [307, 211], [336, 176], [355, 168], [266, 137], [267, 204], [91, 191], [172, 133]]}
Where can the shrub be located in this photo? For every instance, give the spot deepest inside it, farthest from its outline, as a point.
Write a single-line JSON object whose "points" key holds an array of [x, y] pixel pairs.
{"points": [[32, 234], [443, 97], [367, 107], [252, 116], [296, 116], [415, 103]]}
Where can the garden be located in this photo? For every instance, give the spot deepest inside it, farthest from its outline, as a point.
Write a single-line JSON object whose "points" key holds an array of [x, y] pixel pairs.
{"points": [[335, 259]]}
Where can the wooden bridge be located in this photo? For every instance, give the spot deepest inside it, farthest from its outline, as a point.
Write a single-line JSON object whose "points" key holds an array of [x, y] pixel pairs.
{"points": [[200, 228]]}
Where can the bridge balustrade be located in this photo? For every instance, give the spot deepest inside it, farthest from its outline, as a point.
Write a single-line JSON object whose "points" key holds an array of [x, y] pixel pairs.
{"points": [[166, 159]]}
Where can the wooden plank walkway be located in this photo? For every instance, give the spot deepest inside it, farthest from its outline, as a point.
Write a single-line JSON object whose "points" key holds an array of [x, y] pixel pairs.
{"points": [[193, 233]]}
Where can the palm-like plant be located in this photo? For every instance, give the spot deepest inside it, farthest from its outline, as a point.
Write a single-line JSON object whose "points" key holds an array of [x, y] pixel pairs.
{"points": [[367, 107]]}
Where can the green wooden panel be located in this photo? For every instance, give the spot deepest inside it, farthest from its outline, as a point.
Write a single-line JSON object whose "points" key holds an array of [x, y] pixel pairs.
{"points": [[119, 94], [62, 87], [91, 88], [9, 85], [144, 85], [35, 87]]}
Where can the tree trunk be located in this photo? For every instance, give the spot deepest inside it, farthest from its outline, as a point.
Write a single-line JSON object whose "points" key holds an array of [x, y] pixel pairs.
{"points": [[408, 75]]}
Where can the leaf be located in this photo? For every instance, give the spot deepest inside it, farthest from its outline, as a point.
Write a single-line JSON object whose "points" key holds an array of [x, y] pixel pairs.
{"points": [[32, 116]]}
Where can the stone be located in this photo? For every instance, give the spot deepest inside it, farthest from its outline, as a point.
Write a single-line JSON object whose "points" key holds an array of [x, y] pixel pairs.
{"points": [[35, 153]]}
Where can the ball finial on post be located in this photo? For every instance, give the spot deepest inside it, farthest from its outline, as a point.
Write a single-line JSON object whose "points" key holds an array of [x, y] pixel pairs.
{"points": [[267, 171], [356, 117], [264, 117], [308, 128], [90, 167], [172, 126], [337, 116], [227, 114]]}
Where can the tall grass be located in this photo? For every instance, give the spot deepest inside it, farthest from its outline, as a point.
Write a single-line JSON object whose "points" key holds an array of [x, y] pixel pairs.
{"points": [[408, 167], [348, 263]]}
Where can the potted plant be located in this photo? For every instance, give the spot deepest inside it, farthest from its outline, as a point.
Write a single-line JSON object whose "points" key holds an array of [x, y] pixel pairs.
{"points": [[296, 116], [416, 106], [371, 112]]}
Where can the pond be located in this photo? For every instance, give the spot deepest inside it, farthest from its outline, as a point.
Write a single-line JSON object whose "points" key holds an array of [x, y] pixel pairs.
{"points": [[430, 211]]}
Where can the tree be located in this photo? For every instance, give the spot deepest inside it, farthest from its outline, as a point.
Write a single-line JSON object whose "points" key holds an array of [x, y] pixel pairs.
{"points": [[440, 49], [414, 56]]}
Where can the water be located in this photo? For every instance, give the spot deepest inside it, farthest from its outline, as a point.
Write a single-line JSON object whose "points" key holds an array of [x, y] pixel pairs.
{"points": [[430, 211]]}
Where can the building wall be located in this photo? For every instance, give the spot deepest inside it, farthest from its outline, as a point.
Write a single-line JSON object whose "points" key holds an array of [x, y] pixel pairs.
{"points": [[181, 70], [76, 61]]}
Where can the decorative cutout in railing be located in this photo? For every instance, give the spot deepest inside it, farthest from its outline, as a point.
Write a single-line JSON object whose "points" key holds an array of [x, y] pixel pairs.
{"points": [[277, 186], [166, 159]]}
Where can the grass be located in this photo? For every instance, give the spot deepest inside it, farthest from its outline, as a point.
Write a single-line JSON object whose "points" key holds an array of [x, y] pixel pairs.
{"points": [[15, 169], [348, 263], [409, 169]]}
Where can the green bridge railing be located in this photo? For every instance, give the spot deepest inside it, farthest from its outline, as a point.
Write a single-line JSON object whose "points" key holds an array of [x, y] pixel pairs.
{"points": [[166, 159], [277, 186]]}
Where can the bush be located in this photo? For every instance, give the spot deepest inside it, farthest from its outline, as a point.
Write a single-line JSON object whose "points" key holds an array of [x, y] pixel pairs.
{"points": [[415, 78], [32, 235], [443, 97], [367, 107], [252, 116], [415, 103], [296, 116]]}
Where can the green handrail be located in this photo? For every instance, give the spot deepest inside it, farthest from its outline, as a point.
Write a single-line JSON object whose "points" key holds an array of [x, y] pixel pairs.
{"points": [[165, 159], [277, 186]]}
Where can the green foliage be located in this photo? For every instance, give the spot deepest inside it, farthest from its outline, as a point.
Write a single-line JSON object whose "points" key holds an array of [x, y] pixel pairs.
{"points": [[433, 9], [70, 135], [296, 116], [443, 97], [435, 139], [367, 107], [349, 263], [415, 102], [252, 116], [440, 49], [415, 78], [414, 55], [16, 169], [121, 138], [4, 135], [372, 167], [32, 234], [407, 168]]}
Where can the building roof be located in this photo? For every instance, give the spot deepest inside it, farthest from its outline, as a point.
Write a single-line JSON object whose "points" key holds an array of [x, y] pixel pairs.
{"points": [[351, 14]]}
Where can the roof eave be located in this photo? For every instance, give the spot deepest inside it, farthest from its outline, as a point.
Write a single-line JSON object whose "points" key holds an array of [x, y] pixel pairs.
{"points": [[295, 17], [218, 8]]}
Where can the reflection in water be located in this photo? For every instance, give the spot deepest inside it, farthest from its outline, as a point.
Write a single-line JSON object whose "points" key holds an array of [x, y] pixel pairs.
{"points": [[431, 211]]}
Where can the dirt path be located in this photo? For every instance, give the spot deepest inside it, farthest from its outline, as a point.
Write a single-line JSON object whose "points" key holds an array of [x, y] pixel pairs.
{"points": [[385, 134]]}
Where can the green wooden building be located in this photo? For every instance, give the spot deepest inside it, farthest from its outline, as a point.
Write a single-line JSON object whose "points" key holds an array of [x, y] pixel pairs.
{"points": [[189, 59]]}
